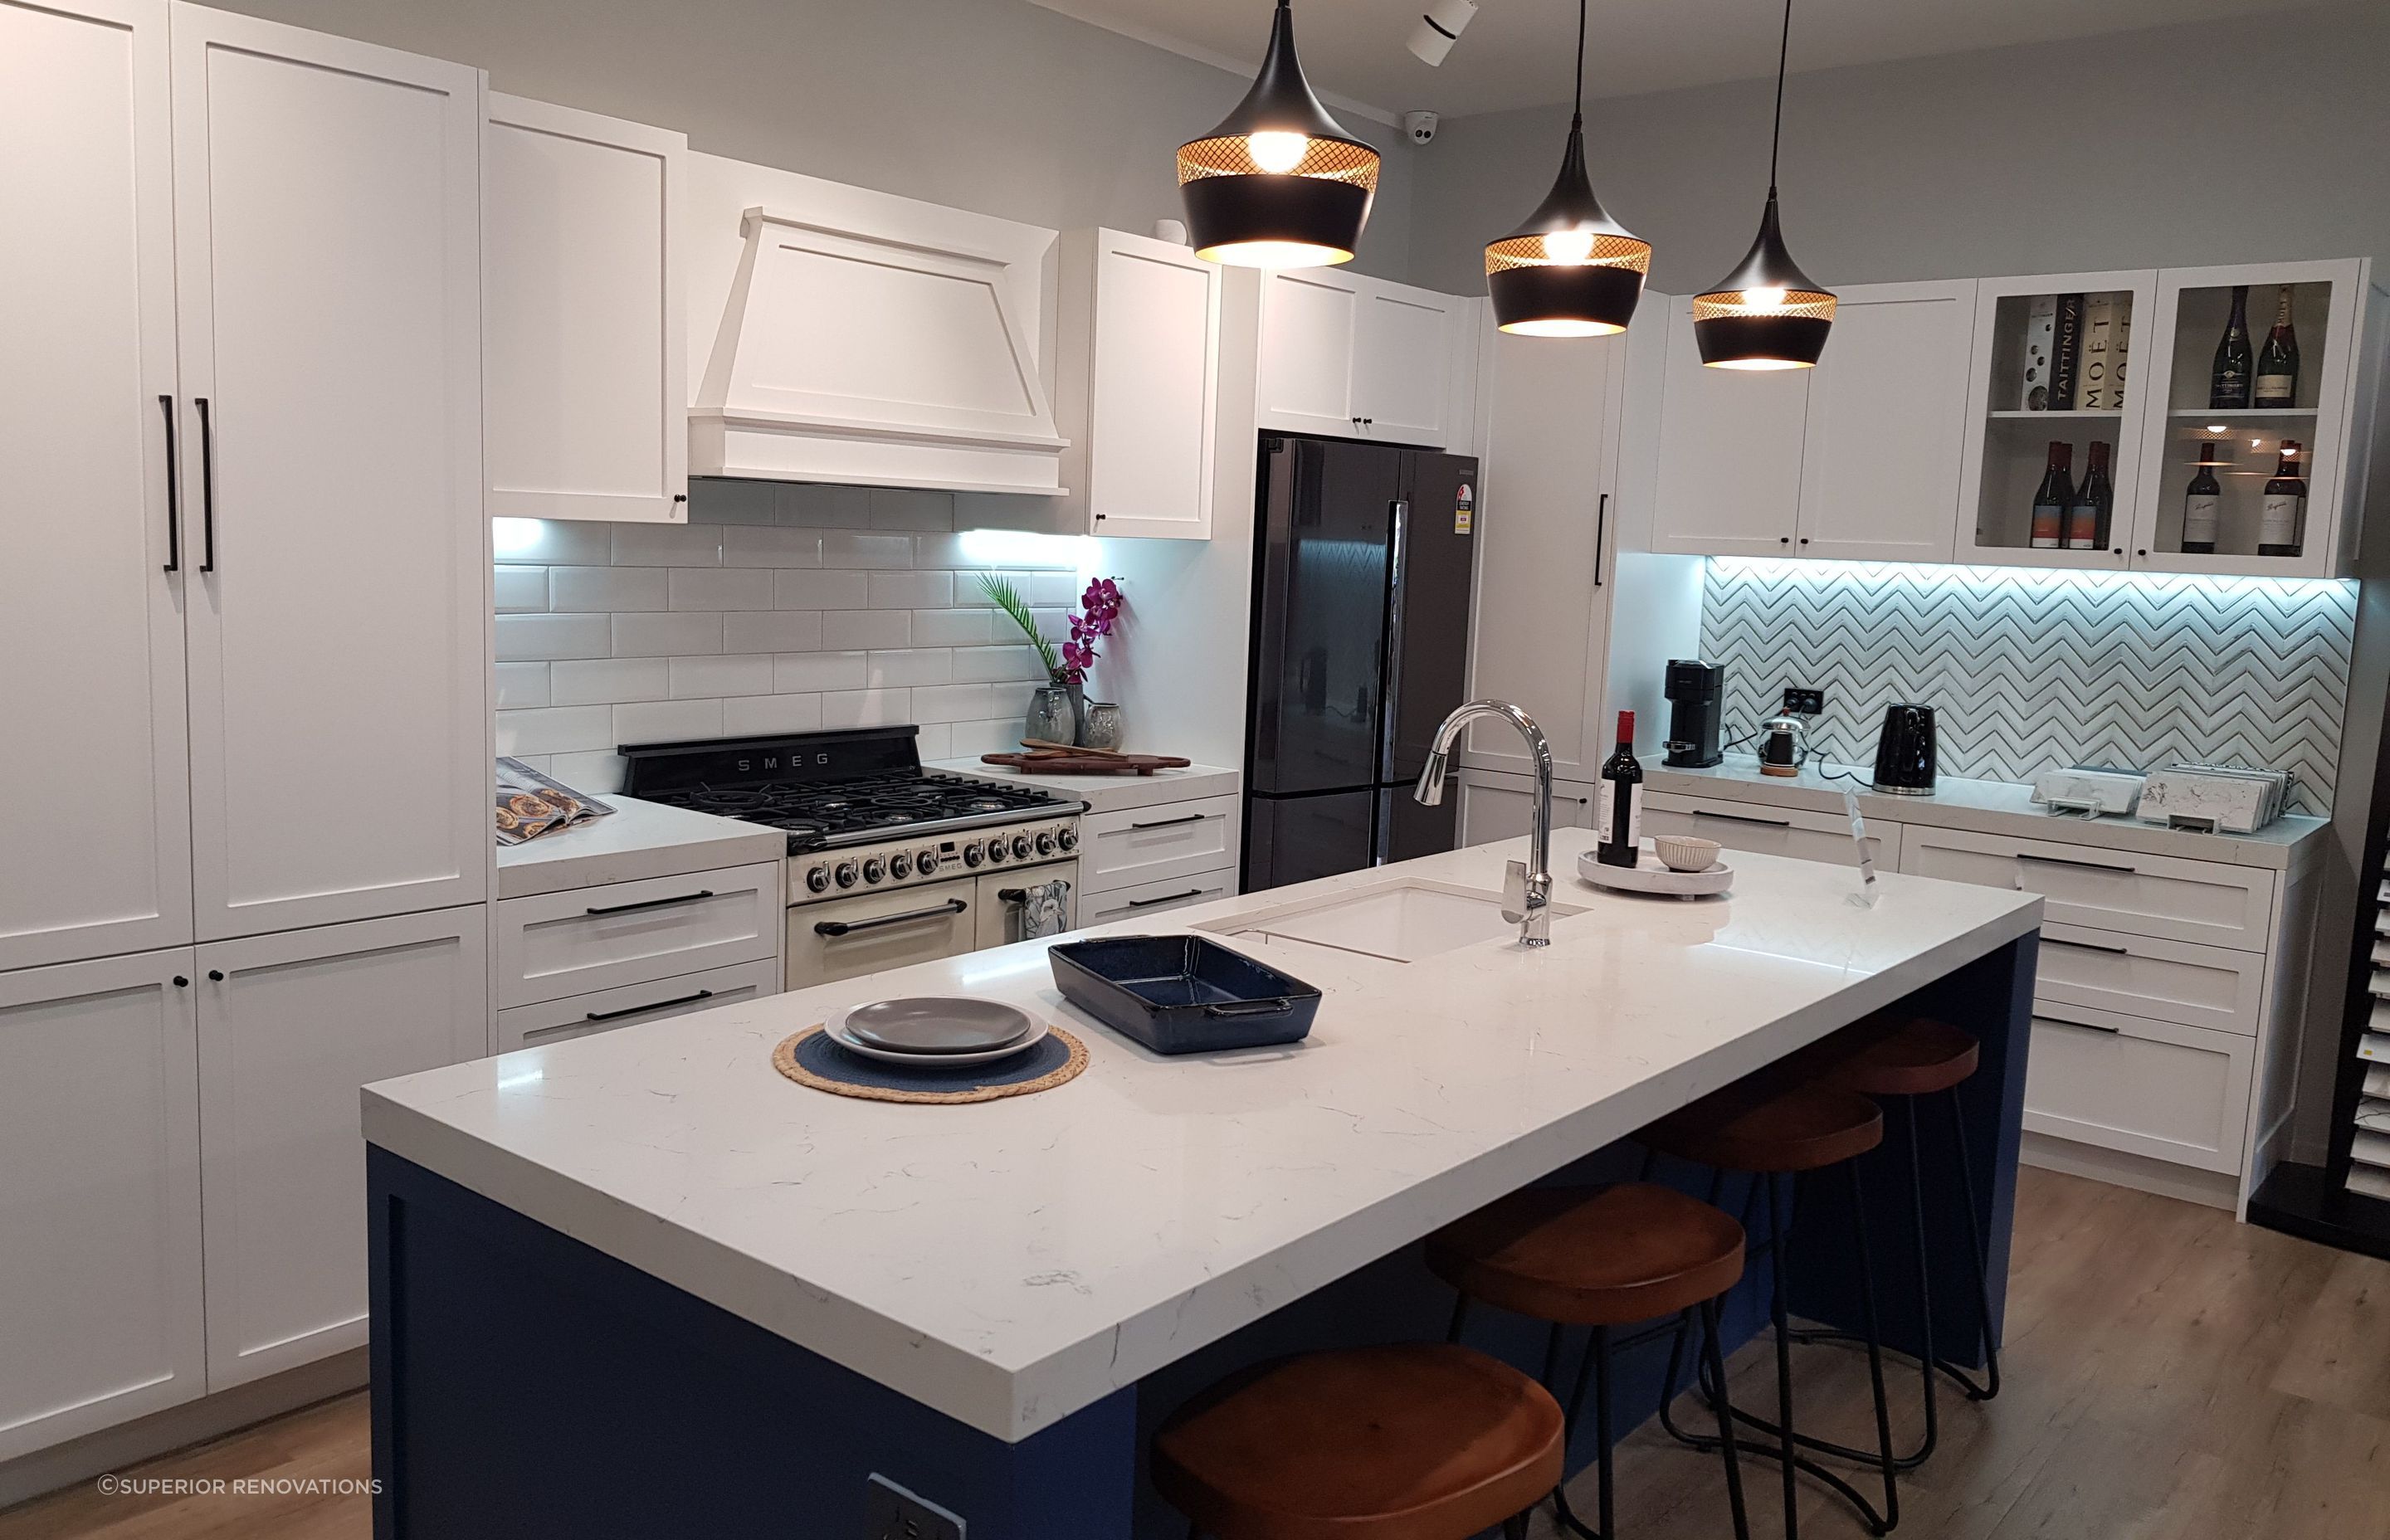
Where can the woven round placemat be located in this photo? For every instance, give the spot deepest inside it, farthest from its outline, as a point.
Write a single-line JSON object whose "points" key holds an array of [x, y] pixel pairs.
{"points": [[813, 1057]]}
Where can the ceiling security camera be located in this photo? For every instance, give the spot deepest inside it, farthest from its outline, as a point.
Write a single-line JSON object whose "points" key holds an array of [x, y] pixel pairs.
{"points": [[1420, 126], [1431, 39]]}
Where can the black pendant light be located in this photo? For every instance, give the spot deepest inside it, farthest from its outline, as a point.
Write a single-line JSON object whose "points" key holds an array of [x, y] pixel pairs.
{"points": [[1279, 183], [1766, 313], [1570, 269]]}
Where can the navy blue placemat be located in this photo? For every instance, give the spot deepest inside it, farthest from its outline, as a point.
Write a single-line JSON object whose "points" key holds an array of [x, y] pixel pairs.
{"points": [[813, 1057]]}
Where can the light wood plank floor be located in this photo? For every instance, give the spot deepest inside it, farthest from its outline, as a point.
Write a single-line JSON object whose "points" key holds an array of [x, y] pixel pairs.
{"points": [[2171, 1376]]}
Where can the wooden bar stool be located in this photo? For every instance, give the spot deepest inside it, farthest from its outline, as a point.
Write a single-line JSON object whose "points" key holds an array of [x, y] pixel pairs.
{"points": [[1413, 1441], [1909, 1058], [1762, 1127], [1599, 1257]]}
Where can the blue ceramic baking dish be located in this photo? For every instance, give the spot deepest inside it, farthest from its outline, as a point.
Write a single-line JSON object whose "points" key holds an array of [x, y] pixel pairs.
{"points": [[1183, 993]]}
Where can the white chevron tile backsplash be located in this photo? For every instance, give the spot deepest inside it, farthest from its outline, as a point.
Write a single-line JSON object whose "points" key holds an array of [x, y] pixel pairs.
{"points": [[2029, 669]]}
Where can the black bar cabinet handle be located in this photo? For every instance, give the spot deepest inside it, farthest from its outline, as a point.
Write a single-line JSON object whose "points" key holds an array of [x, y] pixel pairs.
{"points": [[1743, 818], [848, 927], [2047, 1015], [2087, 865], [1600, 528], [2086, 945], [1166, 898], [641, 1010], [1014, 896], [173, 492], [207, 486], [1166, 823], [653, 903]]}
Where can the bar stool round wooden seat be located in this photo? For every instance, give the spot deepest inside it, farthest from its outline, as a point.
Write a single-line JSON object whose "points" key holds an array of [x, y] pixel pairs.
{"points": [[1598, 1257], [1413, 1441], [1771, 1127]]}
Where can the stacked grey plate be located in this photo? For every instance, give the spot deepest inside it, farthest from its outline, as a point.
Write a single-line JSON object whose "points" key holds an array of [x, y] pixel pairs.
{"points": [[936, 1030]]}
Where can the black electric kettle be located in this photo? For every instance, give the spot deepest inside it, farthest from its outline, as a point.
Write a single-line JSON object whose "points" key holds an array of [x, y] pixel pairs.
{"points": [[1904, 754]]}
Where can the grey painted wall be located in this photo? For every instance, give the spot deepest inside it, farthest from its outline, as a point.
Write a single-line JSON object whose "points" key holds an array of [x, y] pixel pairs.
{"points": [[2141, 149], [997, 105]]}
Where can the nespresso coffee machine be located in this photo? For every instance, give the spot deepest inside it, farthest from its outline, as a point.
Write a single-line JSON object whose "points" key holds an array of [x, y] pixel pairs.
{"points": [[1696, 693]]}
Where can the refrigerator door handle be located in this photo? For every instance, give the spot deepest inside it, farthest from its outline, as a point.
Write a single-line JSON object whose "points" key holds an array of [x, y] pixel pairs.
{"points": [[1600, 529], [1390, 697]]}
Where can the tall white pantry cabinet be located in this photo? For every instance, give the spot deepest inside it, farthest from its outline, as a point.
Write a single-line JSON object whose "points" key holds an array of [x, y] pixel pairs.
{"points": [[244, 848]]}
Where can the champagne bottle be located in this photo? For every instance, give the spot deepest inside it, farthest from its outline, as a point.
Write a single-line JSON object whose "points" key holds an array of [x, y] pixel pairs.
{"points": [[2200, 502], [2229, 385], [2057, 491], [1619, 817], [2282, 517], [2277, 361], [2087, 513]]}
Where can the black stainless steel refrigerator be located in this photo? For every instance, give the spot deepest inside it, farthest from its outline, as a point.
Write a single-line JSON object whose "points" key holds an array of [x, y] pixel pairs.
{"points": [[1360, 650]]}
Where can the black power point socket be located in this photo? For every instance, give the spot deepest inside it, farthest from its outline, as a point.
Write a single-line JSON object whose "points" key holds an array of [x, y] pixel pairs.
{"points": [[1804, 703], [891, 1513]]}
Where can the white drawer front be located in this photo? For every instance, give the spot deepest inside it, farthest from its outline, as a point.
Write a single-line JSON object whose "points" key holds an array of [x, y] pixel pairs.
{"points": [[2112, 890], [1136, 845], [555, 1021], [2197, 986], [558, 944], [2153, 1088], [1153, 898], [1796, 832]]}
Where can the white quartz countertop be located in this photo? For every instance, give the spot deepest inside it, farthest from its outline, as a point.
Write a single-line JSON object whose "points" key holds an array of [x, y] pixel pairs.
{"points": [[1989, 807], [639, 839], [1009, 1262], [1111, 793]]}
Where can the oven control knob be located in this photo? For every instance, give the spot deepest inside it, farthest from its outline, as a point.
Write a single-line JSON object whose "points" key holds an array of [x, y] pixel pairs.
{"points": [[875, 870], [1021, 847], [1045, 844], [928, 863], [846, 874], [900, 866], [1068, 839], [995, 849], [971, 853], [817, 879]]}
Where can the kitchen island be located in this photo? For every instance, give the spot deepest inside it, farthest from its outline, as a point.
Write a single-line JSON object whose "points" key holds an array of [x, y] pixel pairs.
{"points": [[641, 1284]]}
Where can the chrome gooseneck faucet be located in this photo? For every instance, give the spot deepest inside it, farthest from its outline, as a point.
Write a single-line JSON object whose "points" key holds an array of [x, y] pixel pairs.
{"points": [[1526, 895]]}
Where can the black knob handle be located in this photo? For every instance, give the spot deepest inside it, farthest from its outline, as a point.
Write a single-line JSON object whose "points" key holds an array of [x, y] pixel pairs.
{"points": [[215, 975], [1784, 540], [181, 982], [1805, 540]]}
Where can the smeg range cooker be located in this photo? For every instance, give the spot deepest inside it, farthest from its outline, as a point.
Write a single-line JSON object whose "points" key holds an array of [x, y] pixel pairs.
{"points": [[889, 864]]}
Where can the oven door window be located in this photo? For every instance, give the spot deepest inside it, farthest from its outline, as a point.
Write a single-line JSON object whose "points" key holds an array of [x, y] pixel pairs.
{"points": [[851, 936]]}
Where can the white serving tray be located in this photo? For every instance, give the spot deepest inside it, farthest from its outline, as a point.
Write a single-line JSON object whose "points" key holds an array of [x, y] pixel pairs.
{"points": [[1651, 875]]}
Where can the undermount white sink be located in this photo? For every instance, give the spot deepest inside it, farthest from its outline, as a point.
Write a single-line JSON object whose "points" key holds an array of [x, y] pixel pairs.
{"points": [[1400, 922]]}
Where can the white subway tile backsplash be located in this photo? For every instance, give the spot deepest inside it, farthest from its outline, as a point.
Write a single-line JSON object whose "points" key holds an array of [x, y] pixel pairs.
{"points": [[990, 664], [934, 742], [950, 627], [867, 709], [805, 505], [555, 730], [912, 590], [772, 630], [959, 702], [866, 628], [953, 552], [599, 775], [1047, 588], [806, 673], [527, 638], [666, 636], [995, 735], [666, 721], [929, 665], [667, 544], [520, 589], [717, 500], [724, 588], [695, 678], [910, 508], [753, 715], [522, 685], [745, 545], [605, 588], [608, 681], [851, 548], [548, 541], [802, 590]]}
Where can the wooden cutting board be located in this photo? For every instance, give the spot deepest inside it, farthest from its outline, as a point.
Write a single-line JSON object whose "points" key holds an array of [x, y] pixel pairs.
{"points": [[1056, 763]]}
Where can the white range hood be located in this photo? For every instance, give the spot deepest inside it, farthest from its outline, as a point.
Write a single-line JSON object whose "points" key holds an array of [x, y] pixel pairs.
{"points": [[864, 338]]}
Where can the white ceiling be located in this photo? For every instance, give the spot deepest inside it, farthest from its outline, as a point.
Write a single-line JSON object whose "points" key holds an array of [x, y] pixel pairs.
{"points": [[1516, 52]]}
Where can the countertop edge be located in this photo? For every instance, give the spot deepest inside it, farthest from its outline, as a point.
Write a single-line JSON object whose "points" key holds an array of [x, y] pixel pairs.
{"points": [[562, 867]]}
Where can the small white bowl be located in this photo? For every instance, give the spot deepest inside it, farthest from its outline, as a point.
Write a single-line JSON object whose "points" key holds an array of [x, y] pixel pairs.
{"points": [[1682, 853]]}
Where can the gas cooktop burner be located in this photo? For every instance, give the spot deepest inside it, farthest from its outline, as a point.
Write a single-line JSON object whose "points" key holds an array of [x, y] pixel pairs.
{"points": [[849, 812]]}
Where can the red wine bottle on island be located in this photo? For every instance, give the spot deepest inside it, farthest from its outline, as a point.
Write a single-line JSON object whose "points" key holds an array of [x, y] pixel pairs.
{"points": [[1619, 820], [2057, 492], [2200, 502], [2282, 517], [2229, 385], [2087, 516], [2277, 361]]}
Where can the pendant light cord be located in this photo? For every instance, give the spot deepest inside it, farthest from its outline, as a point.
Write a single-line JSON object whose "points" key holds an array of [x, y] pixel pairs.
{"points": [[1783, 51], [1578, 120]]}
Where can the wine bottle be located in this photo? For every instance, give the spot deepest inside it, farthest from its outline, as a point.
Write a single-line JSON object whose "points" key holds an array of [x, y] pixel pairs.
{"points": [[2229, 385], [2201, 501], [2087, 513], [1619, 819], [2057, 491], [2277, 361], [2282, 517]]}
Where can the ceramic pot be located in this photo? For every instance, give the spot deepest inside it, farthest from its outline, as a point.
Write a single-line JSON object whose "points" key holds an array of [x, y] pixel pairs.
{"points": [[1078, 693], [1099, 726], [1052, 716]]}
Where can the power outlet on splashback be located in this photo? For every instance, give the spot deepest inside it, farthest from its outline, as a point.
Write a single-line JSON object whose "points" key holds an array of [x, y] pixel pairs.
{"points": [[891, 1513], [1799, 701]]}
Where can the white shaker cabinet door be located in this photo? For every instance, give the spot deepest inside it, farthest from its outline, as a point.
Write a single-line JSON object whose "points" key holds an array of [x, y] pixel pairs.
{"points": [[1886, 428], [289, 1027], [100, 1196], [1403, 362], [588, 380], [1140, 384], [1311, 320], [94, 843], [1730, 445], [328, 255]]}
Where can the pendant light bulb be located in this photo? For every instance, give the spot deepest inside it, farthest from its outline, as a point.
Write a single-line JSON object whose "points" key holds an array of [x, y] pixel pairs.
{"points": [[1279, 183], [1766, 313], [1570, 269]]}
